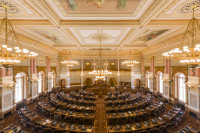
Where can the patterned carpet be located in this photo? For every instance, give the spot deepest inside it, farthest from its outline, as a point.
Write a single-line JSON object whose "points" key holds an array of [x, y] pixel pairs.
{"points": [[100, 118]]}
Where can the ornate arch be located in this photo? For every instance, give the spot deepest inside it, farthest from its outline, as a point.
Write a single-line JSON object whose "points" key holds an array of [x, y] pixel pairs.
{"points": [[60, 82], [88, 81], [135, 82]]}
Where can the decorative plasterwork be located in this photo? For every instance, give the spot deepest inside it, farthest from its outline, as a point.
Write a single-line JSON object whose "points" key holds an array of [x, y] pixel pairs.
{"points": [[58, 8], [179, 9], [154, 10], [18, 9], [44, 9]]}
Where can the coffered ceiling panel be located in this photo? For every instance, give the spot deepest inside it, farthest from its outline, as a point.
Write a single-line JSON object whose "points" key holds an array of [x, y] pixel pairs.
{"points": [[51, 35], [180, 9], [85, 35], [19, 9], [87, 9]]}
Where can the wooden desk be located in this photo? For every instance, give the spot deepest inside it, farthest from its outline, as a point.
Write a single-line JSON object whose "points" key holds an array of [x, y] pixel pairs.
{"points": [[169, 117], [134, 128], [65, 128], [109, 116], [9, 129], [28, 114]]}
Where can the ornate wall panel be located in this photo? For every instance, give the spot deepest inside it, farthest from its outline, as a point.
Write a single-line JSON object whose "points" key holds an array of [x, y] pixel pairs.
{"points": [[159, 68], [41, 68], [17, 69], [54, 69], [182, 69], [193, 100], [7, 100], [147, 68]]}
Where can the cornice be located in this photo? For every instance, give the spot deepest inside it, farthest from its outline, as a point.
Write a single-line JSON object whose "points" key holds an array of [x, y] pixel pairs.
{"points": [[45, 10], [157, 7], [30, 22], [99, 22]]}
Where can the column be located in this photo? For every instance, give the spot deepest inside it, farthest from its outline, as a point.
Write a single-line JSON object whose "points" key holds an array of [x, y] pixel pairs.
{"points": [[82, 72], [57, 73], [68, 76], [132, 77], [49, 75], [151, 75], [167, 82], [106, 65], [118, 73], [33, 87], [143, 73], [94, 64]]}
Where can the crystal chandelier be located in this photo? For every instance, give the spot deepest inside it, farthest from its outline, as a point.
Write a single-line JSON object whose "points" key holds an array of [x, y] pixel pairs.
{"points": [[100, 74], [69, 62], [8, 56], [130, 62], [189, 51]]}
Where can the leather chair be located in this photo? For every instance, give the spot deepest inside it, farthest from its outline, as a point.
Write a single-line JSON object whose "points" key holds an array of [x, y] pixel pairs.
{"points": [[52, 116], [86, 121], [33, 128], [48, 130], [154, 113], [132, 119], [143, 131], [161, 130], [39, 129], [152, 131], [58, 131], [140, 118], [77, 120], [68, 119], [169, 127], [123, 120], [147, 116], [57, 118], [114, 121]]}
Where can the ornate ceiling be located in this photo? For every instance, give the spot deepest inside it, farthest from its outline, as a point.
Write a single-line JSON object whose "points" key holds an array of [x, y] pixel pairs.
{"points": [[147, 27]]}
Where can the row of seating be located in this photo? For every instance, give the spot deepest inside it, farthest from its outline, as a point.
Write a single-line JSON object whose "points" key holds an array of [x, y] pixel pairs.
{"points": [[56, 116]]}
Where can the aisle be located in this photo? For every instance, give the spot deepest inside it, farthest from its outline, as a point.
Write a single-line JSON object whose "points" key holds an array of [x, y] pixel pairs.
{"points": [[100, 117]]}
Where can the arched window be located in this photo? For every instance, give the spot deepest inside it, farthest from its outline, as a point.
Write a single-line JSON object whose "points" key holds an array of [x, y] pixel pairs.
{"points": [[180, 87], [147, 81], [40, 81], [20, 85], [159, 82], [87, 65], [112, 65]]}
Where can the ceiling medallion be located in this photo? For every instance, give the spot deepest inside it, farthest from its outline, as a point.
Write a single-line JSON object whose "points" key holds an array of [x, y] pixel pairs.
{"points": [[97, 37], [188, 8], [9, 6]]}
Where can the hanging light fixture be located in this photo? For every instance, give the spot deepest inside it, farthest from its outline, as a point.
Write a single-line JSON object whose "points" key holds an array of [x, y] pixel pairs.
{"points": [[8, 56], [130, 62], [69, 62], [100, 74], [189, 51]]}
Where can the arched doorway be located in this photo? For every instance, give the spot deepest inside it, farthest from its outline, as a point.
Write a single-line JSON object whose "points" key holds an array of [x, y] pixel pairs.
{"points": [[147, 81], [41, 82], [159, 82], [88, 81], [63, 82], [180, 87], [20, 87], [137, 82]]}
